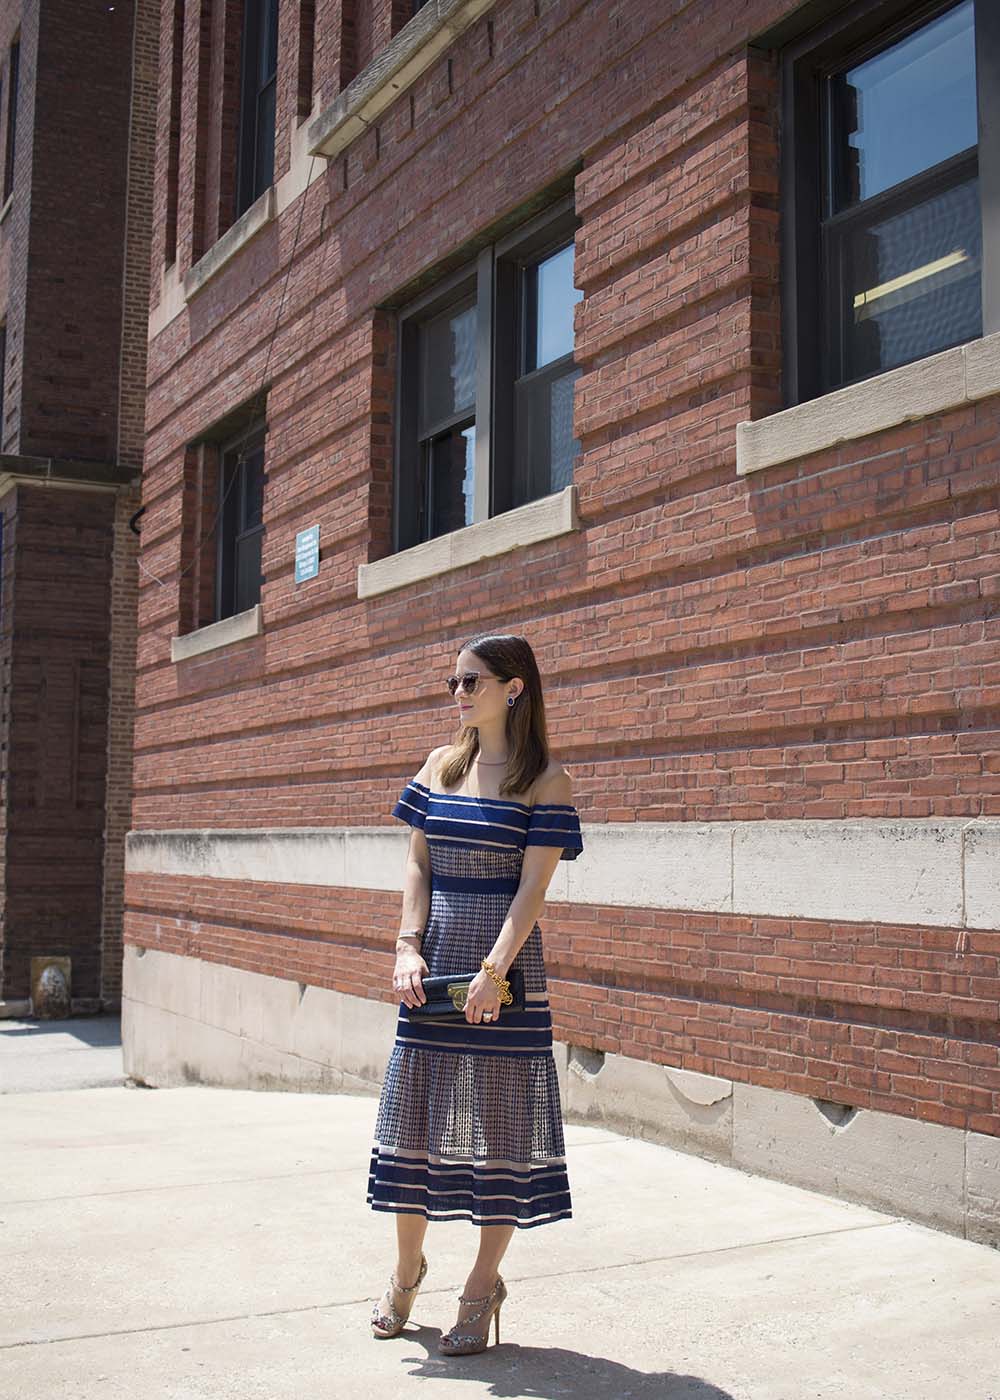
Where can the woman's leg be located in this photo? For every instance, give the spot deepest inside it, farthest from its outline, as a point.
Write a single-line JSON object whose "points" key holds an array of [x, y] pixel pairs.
{"points": [[493, 1242], [410, 1231]]}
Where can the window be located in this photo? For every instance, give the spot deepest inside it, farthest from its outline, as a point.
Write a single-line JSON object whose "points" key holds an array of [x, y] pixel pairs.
{"points": [[538, 449], [445, 363], [885, 236], [258, 87], [485, 407], [241, 484], [12, 86]]}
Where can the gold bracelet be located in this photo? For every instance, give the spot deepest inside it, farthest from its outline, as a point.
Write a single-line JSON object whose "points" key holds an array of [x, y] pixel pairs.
{"points": [[501, 983]]}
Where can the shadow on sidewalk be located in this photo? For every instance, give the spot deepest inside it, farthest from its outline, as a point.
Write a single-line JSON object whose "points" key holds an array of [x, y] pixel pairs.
{"points": [[554, 1373], [90, 1030]]}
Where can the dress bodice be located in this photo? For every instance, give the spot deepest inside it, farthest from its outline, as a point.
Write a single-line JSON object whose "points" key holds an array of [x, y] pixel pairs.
{"points": [[489, 823]]}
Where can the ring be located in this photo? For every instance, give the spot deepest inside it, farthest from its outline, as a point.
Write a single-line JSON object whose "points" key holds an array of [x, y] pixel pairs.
{"points": [[487, 1015]]}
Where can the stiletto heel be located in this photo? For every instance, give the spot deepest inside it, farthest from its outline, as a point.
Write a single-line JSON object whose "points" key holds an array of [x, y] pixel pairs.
{"points": [[460, 1343], [390, 1324]]}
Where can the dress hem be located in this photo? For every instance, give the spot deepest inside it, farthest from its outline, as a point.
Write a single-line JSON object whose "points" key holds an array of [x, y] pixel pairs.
{"points": [[474, 1219]]}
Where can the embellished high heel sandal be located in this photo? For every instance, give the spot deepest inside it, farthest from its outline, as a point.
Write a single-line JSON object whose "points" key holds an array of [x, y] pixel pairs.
{"points": [[390, 1324], [459, 1342]]}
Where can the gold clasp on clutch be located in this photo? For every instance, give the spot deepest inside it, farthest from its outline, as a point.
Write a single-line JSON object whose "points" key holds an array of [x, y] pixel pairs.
{"points": [[459, 993]]}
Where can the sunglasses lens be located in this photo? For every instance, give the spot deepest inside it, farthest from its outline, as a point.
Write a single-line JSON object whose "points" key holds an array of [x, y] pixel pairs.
{"points": [[452, 684], [470, 684]]}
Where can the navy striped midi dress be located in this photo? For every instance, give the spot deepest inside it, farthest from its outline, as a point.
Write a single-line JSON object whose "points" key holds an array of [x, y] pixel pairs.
{"points": [[469, 1123]]}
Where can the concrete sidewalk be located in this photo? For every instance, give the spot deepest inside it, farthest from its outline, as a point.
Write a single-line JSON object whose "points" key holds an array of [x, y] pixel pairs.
{"points": [[199, 1242]]}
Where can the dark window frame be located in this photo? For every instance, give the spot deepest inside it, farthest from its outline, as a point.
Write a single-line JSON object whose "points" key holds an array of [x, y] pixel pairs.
{"points": [[807, 327], [412, 482], [232, 534], [515, 255], [13, 85], [494, 280], [250, 181]]}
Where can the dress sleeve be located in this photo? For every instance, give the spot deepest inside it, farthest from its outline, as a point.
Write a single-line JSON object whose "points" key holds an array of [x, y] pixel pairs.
{"points": [[555, 824], [411, 805]]}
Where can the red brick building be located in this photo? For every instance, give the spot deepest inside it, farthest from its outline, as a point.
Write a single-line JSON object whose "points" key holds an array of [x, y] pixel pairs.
{"points": [[77, 87], [669, 336]]}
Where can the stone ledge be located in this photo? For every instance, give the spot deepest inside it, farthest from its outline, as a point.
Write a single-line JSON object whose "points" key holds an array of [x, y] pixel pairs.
{"points": [[417, 45], [932, 385], [250, 222], [58, 471], [937, 872], [218, 634], [543, 519]]}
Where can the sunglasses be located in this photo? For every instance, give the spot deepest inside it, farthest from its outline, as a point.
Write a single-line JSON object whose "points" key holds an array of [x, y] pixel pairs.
{"points": [[468, 682]]}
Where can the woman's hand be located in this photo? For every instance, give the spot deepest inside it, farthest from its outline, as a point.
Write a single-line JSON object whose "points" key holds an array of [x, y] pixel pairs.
{"points": [[407, 976], [483, 1002]]}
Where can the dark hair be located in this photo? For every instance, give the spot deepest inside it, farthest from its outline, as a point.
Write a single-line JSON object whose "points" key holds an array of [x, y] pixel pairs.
{"points": [[505, 657]]}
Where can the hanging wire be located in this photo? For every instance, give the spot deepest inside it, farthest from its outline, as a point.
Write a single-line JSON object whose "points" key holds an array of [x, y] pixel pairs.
{"points": [[258, 397]]}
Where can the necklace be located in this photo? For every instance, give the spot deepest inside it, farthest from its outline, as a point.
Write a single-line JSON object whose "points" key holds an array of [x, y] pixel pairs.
{"points": [[491, 763]]}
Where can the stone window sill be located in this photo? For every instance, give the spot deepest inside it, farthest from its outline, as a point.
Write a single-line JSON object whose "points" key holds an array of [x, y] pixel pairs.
{"points": [[250, 222], [543, 519], [939, 382], [417, 45], [218, 634]]}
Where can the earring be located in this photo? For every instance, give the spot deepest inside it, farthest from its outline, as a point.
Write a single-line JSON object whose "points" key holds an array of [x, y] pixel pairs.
{"points": [[510, 701]]}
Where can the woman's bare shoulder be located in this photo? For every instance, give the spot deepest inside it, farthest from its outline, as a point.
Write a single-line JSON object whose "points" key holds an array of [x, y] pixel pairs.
{"points": [[431, 765], [554, 784]]}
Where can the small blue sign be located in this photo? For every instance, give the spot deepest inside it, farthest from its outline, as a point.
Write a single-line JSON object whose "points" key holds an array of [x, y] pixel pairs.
{"points": [[307, 554]]}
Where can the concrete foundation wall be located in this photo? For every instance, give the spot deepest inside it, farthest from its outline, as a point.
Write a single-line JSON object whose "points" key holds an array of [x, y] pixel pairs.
{"points": [[185, 1020]]}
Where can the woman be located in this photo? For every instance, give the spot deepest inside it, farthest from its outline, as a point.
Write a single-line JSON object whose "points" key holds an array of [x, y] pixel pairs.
{"points": [[469, 1124]]}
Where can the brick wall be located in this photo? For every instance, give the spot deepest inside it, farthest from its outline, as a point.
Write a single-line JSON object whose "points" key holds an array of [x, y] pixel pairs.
{"points": [[7, 525], [123, 612], [76, 318], [818, 640], [138, 232], [757, 1000], [73, 340], [14, 230], [120, 724], [222, 124], [58, 733]]}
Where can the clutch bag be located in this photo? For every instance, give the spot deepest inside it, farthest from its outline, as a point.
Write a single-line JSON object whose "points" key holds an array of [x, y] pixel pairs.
{"points": [[446, 996]]}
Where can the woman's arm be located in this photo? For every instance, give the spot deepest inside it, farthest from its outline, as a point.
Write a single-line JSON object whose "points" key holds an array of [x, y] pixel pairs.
{"points": [[410, 967], [416, 887]]}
